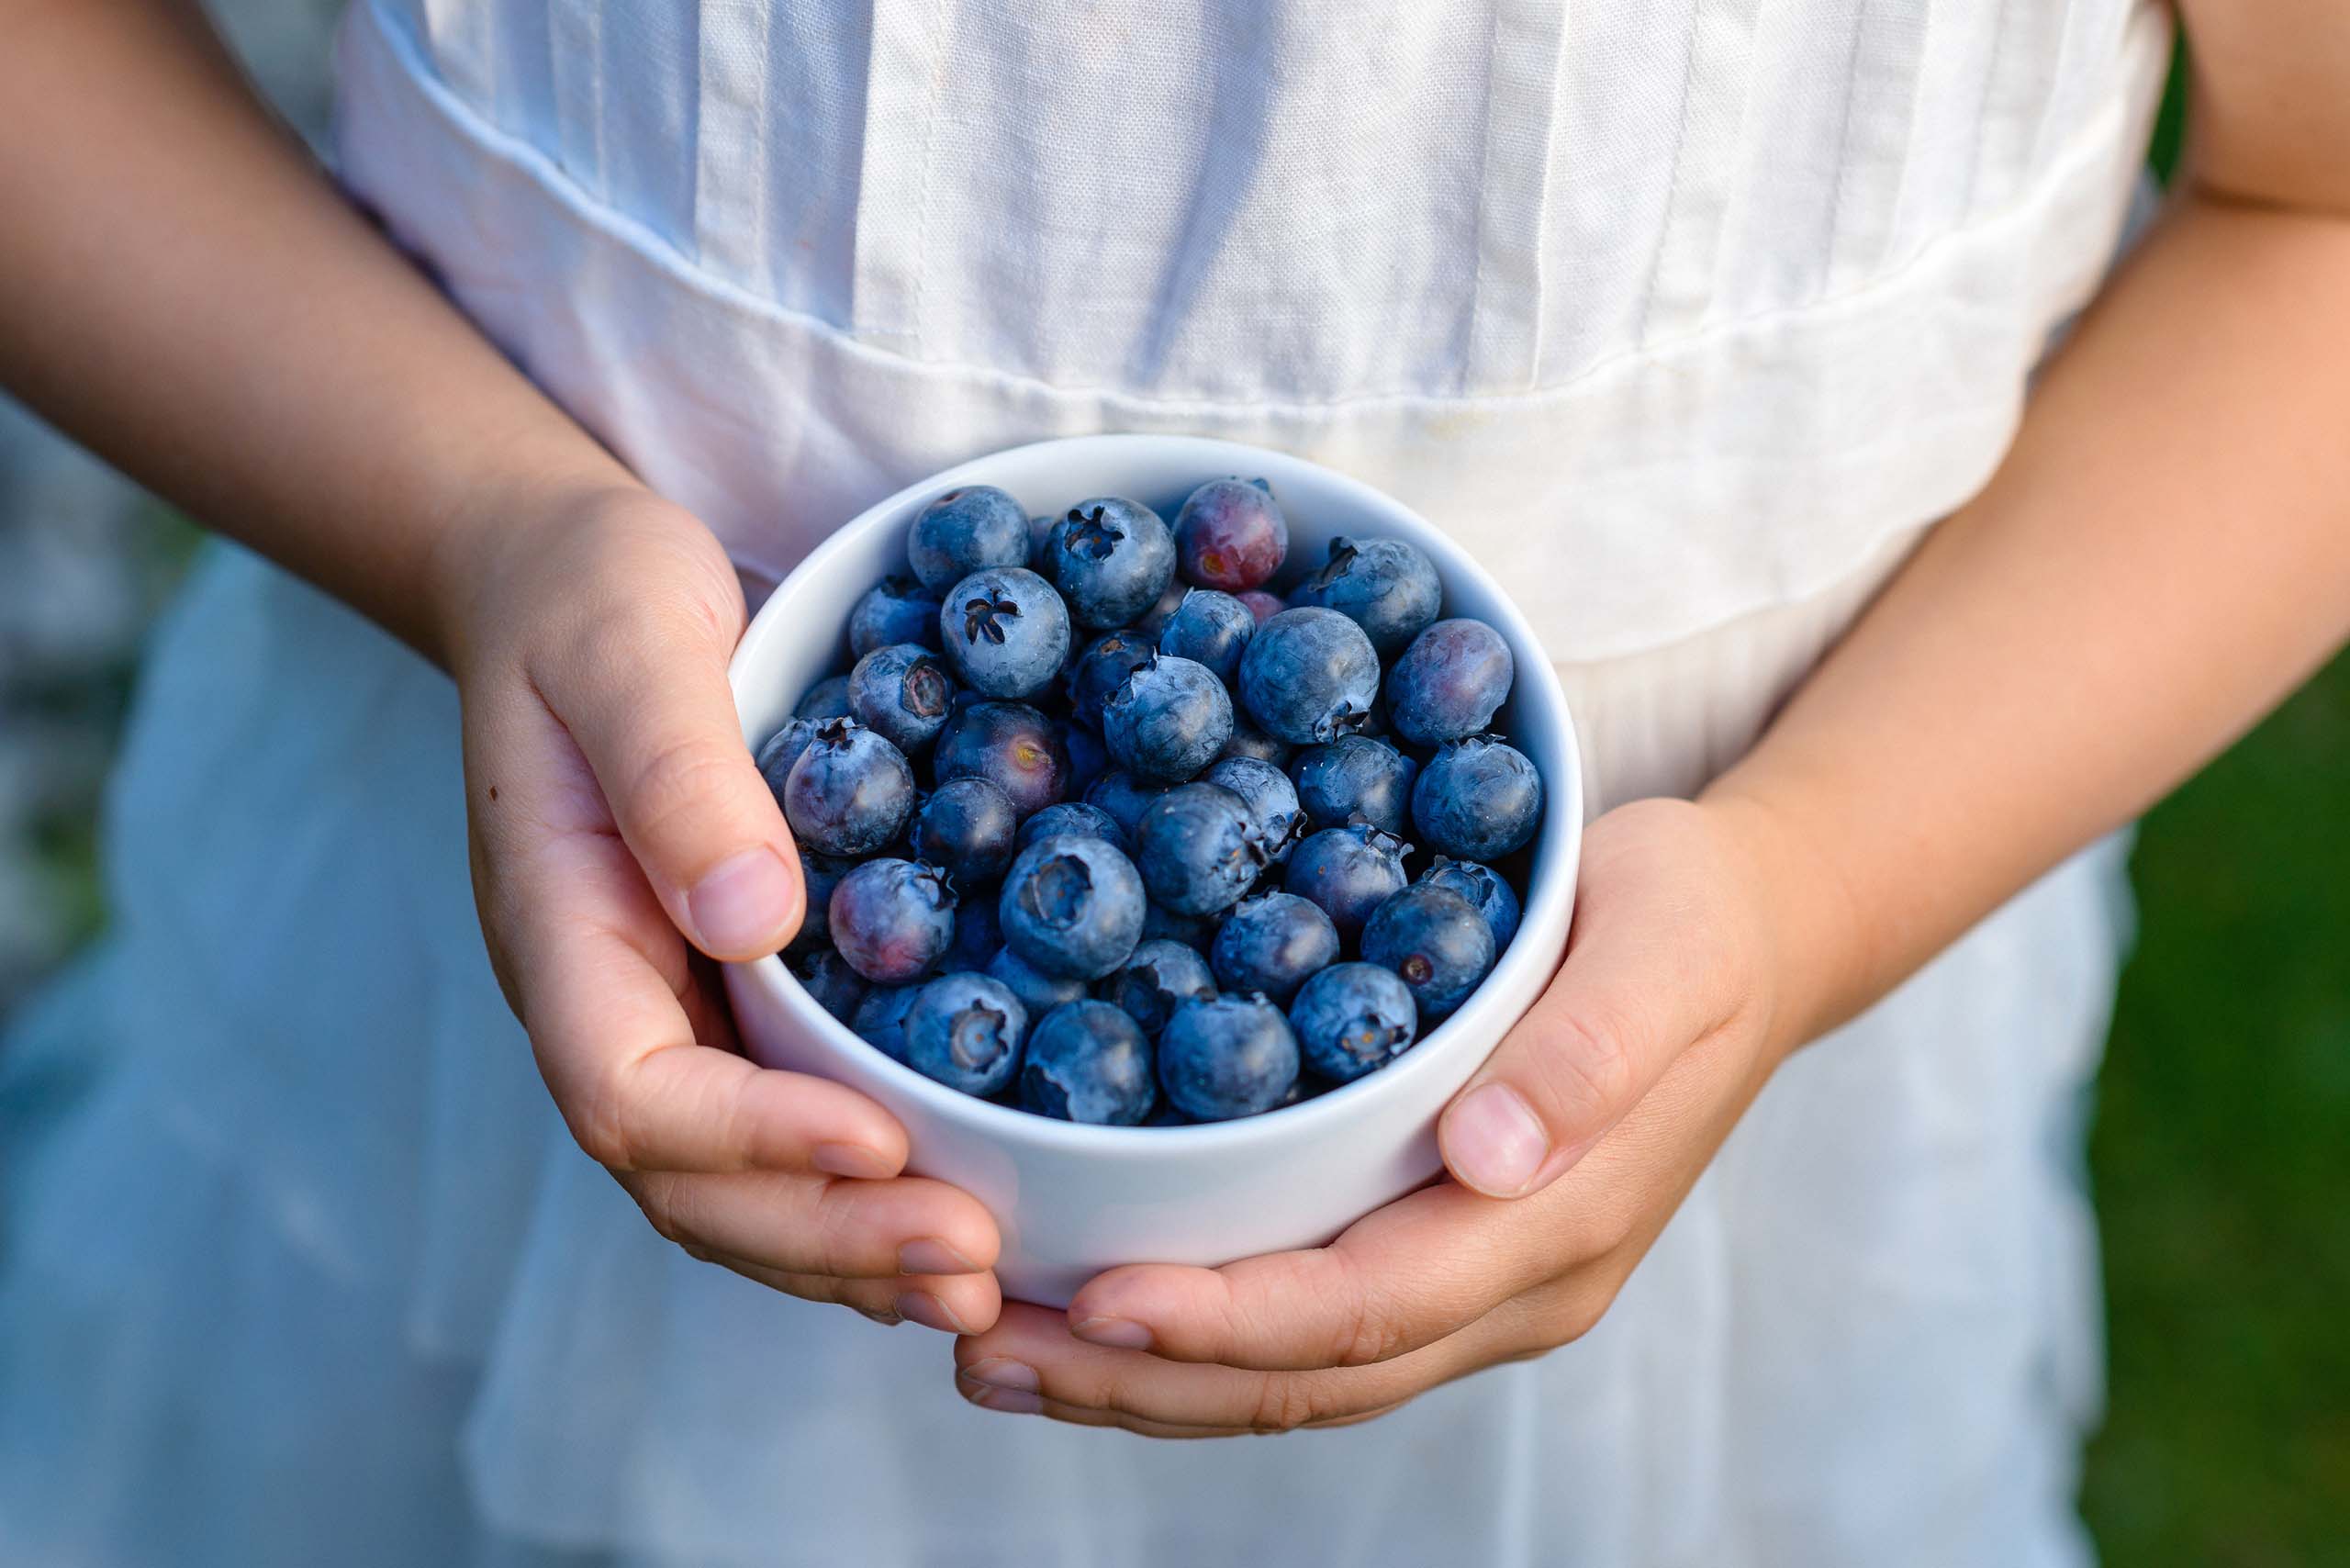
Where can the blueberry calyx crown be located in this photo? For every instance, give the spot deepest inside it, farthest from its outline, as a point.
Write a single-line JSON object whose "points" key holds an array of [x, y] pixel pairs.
{"points": [[1378, 837], [1367, 1039], [941, 885], [1346, 719], [926, 694], [836, 731], [976, 1036], [1341, 561], [984, 617], [1094, 532]]}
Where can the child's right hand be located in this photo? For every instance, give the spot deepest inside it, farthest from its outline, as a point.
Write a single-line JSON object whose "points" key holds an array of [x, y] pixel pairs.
{"points": [[616, 819]]}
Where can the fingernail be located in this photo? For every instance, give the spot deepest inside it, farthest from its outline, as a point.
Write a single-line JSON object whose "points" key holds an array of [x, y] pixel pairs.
{"points": [[930, 1312], [1117, 1333], [1003, 1372], [887, 1319], [928, 1255], [849, 1160], [740, 905], [1003, 1401], [1494, 1143]]}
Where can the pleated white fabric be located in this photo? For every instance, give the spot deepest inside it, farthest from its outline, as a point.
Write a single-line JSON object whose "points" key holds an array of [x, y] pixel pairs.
{"points": [[297, 1265]]}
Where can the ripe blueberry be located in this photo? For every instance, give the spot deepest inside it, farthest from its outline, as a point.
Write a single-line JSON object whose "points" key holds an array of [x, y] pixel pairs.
{"points": [[1352, 1019], [1071, 906], [1088, 1062]]}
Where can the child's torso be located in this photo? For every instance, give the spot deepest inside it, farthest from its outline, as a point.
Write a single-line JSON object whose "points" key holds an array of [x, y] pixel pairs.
{"points": [[1727, 290]]}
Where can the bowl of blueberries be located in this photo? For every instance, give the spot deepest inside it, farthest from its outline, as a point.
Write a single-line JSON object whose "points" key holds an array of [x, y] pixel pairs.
{"points": [[1183, 823]]}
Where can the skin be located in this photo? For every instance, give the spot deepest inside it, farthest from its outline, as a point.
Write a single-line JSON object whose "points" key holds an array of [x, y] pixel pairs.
{"points": [[2164, 552]]}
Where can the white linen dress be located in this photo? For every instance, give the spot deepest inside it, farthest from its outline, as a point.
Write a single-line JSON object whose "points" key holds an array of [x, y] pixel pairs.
{"points": [[1686, 316]]}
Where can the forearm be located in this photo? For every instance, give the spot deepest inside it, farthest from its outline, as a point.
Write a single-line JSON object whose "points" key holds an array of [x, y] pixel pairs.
{"points": [[2164, 555], [183, 292]]}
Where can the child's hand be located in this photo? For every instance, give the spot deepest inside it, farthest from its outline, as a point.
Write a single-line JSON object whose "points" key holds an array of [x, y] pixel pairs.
{"points": [[613, 806], [1663, 1021]]}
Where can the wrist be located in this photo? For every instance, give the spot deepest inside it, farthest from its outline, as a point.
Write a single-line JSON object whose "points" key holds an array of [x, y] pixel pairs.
{"points": [[1815, 940], [504, 537]]}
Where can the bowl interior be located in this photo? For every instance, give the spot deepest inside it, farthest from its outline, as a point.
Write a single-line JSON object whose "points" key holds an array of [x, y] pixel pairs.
{"points": [[800, 636]]}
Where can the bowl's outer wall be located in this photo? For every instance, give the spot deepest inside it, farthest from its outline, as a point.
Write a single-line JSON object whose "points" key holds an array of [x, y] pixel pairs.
{"points": [[1073, 1200]]}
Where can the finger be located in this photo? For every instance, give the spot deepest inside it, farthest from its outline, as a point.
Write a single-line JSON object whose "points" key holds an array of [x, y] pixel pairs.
{"points": [[819, 1225], [602, 981], [1641, 983], [644, 694], [1402, 1277], [1031, 1350], [951, 1304], [1014, 1401]]}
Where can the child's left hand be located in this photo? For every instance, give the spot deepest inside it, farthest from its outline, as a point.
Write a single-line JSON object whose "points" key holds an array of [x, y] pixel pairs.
{"points": [[1674, 1004]]}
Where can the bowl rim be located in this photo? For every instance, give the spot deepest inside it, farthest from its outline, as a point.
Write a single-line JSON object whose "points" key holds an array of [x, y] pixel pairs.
{"points": [[1551, 892]]}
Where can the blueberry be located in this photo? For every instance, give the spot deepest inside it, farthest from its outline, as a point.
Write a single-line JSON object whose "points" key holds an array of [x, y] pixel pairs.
{"points": [[1005, 631], [1072, 906], [1436, 940], [1273, 944], [901, 693], [1152, 621], [1112, 558], [965, 829], [1228, 1056], [1309, 675], [1040, 545], [819, 875], [1248, 740], [1124, 797], [1087, 758], [1352, 1019], [893, 919], [1167, 721], [1231, 536], [978, 935], [850, 792], [1197, 848], [1156, 976], [895, 610], [1388, 587], [1263, 605], [828, 699], [1273, 803], [780, 750], [965, 531], [1482, 887], [1478, 800], [1354, 776], [1349, 871], [1038, 991], [964, 1030], [826, 976], [1211, 627], [1073, 816], [1450, 682], [881, 1019], [1011, 745], [1100, 670], [1088, 1062], [1193, 931]]}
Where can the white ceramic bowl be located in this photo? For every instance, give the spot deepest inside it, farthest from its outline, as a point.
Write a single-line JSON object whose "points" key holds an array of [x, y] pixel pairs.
{"points": [[1073, 1200]]}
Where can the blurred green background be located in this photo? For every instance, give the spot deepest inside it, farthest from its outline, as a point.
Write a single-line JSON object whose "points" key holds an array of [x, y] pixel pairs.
{"points": [[2220, 1153]]}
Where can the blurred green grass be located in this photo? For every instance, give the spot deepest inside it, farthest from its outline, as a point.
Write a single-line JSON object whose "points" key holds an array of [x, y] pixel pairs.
{"points": [[2221, 1160]]}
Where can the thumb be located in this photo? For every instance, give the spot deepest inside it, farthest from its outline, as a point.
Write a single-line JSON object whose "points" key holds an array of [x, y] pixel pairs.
{"points": [[1638, 988], [657, 724]]}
